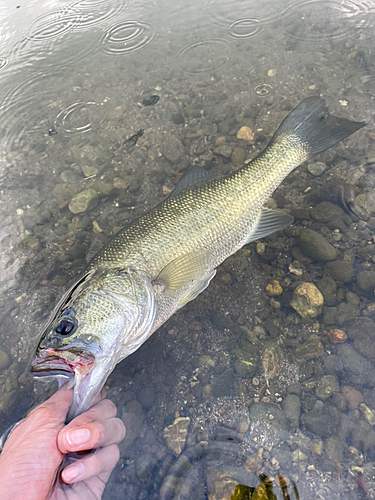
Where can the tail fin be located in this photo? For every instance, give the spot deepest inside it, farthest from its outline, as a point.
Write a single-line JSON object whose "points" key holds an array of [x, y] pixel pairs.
{"points": [[315, 127]]}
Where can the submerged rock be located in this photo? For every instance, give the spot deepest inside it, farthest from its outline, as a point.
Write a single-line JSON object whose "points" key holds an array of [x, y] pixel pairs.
{"points": [[316, 168], [83, 201], [311, 349], [315, 246], [4, 360], [341, 270], [307, 300], [175, 434], [326, 386], [366, 280]]}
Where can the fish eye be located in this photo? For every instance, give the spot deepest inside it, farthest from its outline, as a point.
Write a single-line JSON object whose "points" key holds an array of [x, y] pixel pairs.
{"points": [[66, 326]]}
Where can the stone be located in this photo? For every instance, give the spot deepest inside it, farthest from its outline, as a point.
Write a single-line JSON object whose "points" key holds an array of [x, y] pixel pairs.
{"points": [[346, 312], [225, 150], [325, 211], [132, 416], [63, 194], [316, 168], [274, 289], [353, 367], [336, 336], [238, 156], [311, 349], [366, 201], [4, 360], [326, 386], [206, 360], [146, 397], [89, 171], [362, 332], [268, 419], [341, 270], [321, 423], [172, 148], [84, 201], [328, 287], [292, 408], [367, 413], [315, 246], [272, 359], [366, 280], [175, 434], [307, 300], [352, 397], [363, 438], [334, 448], [246, 134]]}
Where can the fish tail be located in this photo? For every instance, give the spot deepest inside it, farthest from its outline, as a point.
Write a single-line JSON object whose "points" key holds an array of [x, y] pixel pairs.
{"points": [[315, 128]]}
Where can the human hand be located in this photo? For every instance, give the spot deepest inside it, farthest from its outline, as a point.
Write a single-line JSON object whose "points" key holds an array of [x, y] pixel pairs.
{"points": [[37, 447]]}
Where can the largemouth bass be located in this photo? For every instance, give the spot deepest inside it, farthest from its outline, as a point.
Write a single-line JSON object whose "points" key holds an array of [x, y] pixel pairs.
{"points": [[165, 258]]}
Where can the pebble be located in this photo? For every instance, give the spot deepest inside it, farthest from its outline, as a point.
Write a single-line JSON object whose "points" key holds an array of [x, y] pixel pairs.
{"points": [[307, 300], [321, 423], [268, 419], [352, 397], [225, 150], [274, 289], [4, 360], [132, 417], [326, 386], [315, 246], [328, 287], [238, 156], [245, 133], [206, 360], [84, 201], [298, 456], [316, 168], [334, 448], [362, 332], [311, 349], [261, 248], [172, 148], [366, 280], [366, 201], [271, 72], [292, 408], [175, 434], [336, 336], [341, 270], [89, 171], [367, 413]]}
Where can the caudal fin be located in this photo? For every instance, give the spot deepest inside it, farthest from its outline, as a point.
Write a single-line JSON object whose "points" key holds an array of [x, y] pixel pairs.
{"points": [[315, 127]]}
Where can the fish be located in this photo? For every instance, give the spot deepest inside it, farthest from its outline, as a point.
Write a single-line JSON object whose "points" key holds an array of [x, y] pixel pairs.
{"points": [[165, 258]]}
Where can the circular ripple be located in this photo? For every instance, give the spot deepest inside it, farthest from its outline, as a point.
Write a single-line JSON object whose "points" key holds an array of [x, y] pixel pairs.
{"points": [[78, 118], [244, 28], [262, 89], [319, 20], [205, 56], [126, 37], [53, 25], [3, 62], [97, 12]]}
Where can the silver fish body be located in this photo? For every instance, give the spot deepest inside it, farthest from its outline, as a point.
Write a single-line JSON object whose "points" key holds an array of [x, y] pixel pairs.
{"points": [[165, 258]]}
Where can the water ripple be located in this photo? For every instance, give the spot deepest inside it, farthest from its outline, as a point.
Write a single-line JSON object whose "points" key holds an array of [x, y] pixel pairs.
{"points": [[126, 37], [3, 62], [78, 118], [205, 56], [319, 20], [92, 13], [245, 28], [52, 25]]}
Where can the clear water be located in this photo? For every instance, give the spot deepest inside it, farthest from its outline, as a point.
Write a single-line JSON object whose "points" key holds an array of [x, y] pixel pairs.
{"points": [[75, 81]]}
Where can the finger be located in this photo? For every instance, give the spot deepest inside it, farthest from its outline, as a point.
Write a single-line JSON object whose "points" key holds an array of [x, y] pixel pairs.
{"points": [[102, 461], [99, 412], [92, 435], [55, 408]]}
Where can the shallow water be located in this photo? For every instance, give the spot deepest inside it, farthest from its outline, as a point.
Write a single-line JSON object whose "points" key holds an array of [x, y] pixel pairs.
{"points": [[266, 390]]}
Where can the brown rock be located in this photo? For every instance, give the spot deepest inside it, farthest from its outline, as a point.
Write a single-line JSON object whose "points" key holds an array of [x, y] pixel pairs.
{"points": [[274, 289], [175, 434], [352, 396], [245, 133], [336, 336]]}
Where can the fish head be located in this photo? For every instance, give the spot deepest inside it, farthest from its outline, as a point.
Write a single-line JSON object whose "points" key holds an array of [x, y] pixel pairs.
{"points": [[103, 318]]}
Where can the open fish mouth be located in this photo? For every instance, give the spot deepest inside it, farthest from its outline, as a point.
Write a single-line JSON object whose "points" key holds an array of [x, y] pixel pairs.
{"points": [[67, 363]]}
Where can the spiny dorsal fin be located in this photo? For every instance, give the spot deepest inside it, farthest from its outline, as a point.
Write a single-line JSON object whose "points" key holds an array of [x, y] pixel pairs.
{"points": [[193, 176]]}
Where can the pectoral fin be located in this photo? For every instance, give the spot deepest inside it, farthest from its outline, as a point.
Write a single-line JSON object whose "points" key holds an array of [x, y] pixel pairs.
{"points": [[185, 269], [198, 288], [269, 222]]}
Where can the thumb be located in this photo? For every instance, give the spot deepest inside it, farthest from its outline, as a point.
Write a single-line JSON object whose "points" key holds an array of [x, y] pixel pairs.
{"points": [[57, 406]]}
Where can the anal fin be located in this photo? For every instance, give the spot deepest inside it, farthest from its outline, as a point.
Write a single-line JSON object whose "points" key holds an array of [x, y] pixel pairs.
{"points": [[269, 222]]}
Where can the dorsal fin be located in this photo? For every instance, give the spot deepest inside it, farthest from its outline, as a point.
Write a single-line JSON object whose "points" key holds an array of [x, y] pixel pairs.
{"points": [[193, 176]]}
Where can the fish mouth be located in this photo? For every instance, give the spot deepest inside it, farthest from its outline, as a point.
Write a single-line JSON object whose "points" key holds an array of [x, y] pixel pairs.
{"points": [[66, 363]]}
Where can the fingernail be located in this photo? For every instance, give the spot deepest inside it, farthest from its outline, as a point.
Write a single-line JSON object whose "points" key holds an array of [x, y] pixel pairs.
{"points": [[77, 437], [72, 472]]}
